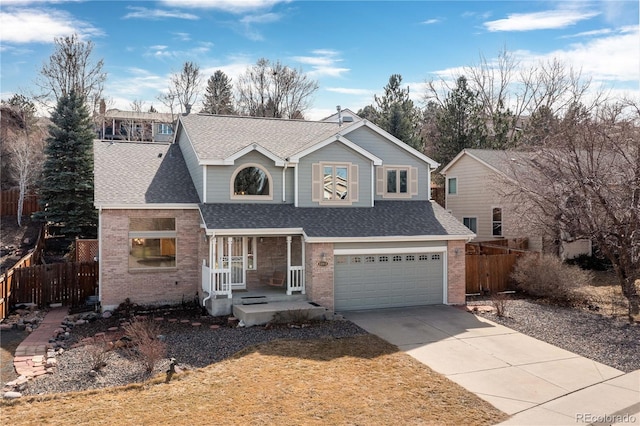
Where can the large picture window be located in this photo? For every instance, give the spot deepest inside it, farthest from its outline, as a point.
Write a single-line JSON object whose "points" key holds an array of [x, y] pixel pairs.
{"points": [[152, 243], [251, 182]]}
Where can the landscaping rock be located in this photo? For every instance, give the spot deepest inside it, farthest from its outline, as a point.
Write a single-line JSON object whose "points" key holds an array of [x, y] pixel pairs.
{"points": [[12, 395]]}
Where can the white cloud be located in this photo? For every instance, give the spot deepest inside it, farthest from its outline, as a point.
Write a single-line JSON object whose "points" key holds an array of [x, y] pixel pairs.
{"points": [[42, 26], [232, 6], [265, 18], [350, 91], [157, 14], [592, 33], [182, 36], [550, 19], [162, 51], [323, 63], [430, 21]]}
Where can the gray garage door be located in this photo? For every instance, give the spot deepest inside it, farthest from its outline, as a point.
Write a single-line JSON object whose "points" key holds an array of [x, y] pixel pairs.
{"points": [[388, 281]]}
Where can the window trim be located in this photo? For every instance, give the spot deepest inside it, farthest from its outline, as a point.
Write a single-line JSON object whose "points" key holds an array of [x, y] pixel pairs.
{"points": [[317, 183], [449, 178], [475, 231], [382, 181], [494, 222], [243, 166], [162, 126], [153, 235]]}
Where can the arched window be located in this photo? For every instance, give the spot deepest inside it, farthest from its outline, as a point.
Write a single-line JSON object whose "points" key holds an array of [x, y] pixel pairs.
{"points": [[251, 181]]}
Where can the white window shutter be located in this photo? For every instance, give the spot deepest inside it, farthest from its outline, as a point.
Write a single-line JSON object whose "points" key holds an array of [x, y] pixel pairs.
{"points": [[380, 180], [316, 183], [413, 179], [353, 182]]}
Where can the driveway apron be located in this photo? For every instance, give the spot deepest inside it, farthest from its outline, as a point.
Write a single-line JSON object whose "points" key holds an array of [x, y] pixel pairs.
{"points": [[514, 372]]}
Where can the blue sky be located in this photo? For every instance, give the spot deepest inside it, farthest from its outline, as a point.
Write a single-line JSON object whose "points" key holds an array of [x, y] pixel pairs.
{"points": [[350, 47]]}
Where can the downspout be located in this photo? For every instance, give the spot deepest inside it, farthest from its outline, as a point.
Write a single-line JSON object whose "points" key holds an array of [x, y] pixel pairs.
{"points": [[210, 291], [284, 182], [100, 255]]}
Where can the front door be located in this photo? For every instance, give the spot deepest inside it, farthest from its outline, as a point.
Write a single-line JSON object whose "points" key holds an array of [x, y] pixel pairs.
{"points": [[234, 259]]}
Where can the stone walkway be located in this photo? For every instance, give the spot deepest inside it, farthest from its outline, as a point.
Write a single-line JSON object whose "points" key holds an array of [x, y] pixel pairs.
{"points": [[30, 359]]}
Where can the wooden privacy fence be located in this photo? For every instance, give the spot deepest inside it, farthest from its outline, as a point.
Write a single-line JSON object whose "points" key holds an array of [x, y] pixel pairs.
{"points": [[489, 266], [67, 283], [9, 203], [7, 279]]}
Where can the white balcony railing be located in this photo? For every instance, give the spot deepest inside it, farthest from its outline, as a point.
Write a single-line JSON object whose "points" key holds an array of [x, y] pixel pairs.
{"points": [[296, 280]]}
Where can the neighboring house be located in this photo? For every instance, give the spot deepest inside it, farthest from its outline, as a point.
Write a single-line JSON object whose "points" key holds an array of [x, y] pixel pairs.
{"points": [[338, 212], [473, 181], [136, 126]]}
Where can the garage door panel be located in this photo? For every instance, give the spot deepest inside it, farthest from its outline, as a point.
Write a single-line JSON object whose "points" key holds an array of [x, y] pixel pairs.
{"points": [[388, 280]]}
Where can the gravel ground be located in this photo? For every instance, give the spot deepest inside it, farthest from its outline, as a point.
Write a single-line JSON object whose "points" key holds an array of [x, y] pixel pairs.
{"points": [[191, 347], [610, 341], [601, 338]]}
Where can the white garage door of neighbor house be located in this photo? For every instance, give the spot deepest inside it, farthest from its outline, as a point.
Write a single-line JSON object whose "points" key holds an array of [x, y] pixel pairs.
{"points": [[370, 281]]}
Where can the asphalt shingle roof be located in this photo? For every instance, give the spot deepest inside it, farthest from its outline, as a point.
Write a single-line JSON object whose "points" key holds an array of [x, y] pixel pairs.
{"points": [[386, 219], [216, 137], [141, 173]]}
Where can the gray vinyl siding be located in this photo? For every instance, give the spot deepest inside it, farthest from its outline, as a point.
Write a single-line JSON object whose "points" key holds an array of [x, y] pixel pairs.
{"points": [[391, 154], [190, 158], [219, 179], [339, 153]]}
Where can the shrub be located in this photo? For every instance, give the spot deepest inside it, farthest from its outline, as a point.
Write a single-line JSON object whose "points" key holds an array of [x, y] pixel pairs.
{"points": [[546, 276], [145, 344], [97, 353], [500, 302]]}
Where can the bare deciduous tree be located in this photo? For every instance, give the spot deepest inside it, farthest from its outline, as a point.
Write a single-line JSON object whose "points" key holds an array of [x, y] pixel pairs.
{"points": [[72, 67], [274, 90], [584, 182], [184, 87]]}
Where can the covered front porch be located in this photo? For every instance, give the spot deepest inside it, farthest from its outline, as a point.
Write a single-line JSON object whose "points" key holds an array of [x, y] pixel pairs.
{"points": [[246, 268]]}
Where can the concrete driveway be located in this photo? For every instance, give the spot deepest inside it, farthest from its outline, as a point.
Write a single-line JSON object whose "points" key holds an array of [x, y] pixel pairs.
{"points": [[514, 372]]}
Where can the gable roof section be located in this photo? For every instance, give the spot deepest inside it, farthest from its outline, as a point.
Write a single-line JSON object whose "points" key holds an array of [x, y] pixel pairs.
{"points": [[216, 138], [366, 123], [387, 220], [500, 161], [130, 174], [337, 138], [219, 139]]}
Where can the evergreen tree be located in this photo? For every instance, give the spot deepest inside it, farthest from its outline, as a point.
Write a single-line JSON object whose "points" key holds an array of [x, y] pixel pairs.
{"points": [[218, 96], [460, 123], [396, 113], [67, 188]]}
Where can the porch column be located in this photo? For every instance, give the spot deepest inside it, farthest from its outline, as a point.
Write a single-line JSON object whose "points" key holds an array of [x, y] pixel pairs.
{"points": [[212, 252], [303, 262], [288, 265]]}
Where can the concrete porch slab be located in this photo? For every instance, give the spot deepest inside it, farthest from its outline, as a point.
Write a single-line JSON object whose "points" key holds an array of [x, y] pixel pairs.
{"points": [[260, 314]]}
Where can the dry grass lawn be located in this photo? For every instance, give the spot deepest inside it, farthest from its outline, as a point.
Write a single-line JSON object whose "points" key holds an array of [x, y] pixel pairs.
{"points": [[357, 381], [605, 294]]}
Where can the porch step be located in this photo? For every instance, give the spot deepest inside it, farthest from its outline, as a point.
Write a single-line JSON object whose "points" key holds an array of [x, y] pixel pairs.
{"points": [[255, 297], [259, 314]]}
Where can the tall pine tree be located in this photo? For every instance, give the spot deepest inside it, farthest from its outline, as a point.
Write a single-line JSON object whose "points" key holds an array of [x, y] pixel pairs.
{"points": [[67, 188], [218, 97]]}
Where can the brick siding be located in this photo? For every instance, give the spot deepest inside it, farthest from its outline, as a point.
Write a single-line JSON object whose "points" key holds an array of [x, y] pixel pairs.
{"points": [[456, 273], [151, 287], [319, 279]]}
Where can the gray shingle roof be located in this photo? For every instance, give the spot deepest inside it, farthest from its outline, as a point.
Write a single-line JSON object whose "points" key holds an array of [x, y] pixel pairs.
{"points": [[216, 137], [386, 219], [508, 162], [141, 173]]}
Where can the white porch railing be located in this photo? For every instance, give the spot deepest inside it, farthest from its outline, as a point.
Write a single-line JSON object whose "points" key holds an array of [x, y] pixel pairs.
{"points": [[296, 280], [216, 282]]}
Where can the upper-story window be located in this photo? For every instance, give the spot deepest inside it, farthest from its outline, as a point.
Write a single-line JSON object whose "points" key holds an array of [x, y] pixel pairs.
{"points": [[397, 181], [335, 183], [165, 129], [251, 181], [452, 186]]}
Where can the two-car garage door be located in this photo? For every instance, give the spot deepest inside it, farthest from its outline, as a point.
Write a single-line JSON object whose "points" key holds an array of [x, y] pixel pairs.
{"points": [[370, 281]]}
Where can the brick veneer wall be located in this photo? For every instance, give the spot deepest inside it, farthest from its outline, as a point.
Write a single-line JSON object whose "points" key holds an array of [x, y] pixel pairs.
{"points": [[319, 279], [149, 286], [456, 285]]}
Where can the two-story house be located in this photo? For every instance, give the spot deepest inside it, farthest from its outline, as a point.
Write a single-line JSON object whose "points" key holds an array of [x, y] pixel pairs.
{"points": [[476, 182], [340, 209]]}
